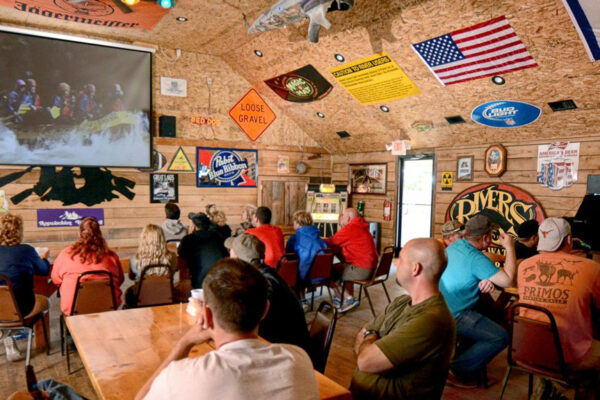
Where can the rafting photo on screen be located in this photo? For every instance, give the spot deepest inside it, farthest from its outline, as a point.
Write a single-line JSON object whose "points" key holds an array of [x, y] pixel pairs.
{"points": [[74, 104]]}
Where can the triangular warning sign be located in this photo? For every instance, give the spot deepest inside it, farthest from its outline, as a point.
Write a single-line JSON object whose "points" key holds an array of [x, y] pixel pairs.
{"points": [[180, 162]]}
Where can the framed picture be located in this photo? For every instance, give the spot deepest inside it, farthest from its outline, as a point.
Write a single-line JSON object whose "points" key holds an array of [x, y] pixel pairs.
{"points": [[163, 188], [464, 168], [495, 160], [368, 178]]}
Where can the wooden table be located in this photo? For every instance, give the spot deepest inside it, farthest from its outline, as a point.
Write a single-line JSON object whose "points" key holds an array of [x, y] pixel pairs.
{"points": [[121, 349]]}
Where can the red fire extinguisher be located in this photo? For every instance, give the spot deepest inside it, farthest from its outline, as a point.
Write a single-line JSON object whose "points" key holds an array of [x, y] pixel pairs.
{"points": [[387, 210]]}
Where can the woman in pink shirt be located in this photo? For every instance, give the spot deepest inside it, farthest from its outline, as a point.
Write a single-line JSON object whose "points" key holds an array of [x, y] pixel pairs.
{"points": [[89, 253]]}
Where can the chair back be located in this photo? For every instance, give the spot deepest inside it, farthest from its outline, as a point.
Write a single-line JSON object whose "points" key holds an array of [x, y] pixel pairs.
{"points": [[321, 333], [156, 289], [535, 345], [287, 268], [92, 296], [9, 310], [321, 265], [382, 271]]}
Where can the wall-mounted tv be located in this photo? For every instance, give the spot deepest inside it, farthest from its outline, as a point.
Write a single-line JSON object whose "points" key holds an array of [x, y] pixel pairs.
{"points": [[73, 102]]}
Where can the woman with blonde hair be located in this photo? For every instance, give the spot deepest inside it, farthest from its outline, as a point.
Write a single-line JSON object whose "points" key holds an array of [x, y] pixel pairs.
{"points": [[89, 253], [152, 250], [19, 262]]}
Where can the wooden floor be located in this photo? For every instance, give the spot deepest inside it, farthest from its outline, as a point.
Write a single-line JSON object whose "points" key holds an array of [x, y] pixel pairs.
{"points": [[340, 365]]}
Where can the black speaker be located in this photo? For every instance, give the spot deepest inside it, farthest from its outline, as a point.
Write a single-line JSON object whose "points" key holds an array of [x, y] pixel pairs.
{"points": [[166, 126]]}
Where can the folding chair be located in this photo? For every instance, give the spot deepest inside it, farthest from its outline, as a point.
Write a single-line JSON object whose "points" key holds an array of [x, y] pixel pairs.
{"points": [[319, 274], [154, 290], [321, 332], [534, 347], [12, 319], [287, 269], [380, 275], [91, 296]]}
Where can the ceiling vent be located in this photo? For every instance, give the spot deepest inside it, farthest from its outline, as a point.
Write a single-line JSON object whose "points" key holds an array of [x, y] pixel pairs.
{"points": [[562, 105], [455, 119], [343, 134]]}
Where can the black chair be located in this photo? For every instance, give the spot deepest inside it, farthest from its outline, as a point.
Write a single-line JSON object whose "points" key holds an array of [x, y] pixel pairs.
{"points": [[321, 332], [380, 275], [534, 347]]}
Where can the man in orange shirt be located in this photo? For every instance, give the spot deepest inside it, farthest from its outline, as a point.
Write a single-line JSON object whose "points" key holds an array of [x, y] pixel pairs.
{"points": [[270, 235], [568, 286]]}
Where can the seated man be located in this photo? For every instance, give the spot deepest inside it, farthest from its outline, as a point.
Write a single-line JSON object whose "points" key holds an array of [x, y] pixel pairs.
{"points": [[242, 366], [172, 228], [452, 231], [405, 353], [527, 240], [284, 323], [270, 235], [359, 252], [469, 271], [568, 286]]}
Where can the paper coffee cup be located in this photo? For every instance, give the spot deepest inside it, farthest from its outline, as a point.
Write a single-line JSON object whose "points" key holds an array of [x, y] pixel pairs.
{"points": [[197, 294]]}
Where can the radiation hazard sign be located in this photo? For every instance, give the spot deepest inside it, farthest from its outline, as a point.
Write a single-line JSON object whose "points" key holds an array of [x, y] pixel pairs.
{"points": [[447, 177], [252, 114], [180, 162]]}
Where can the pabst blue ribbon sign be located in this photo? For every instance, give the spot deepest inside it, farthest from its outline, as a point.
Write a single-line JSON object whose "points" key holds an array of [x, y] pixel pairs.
{"points": [[506, 205], [226, 167], [505, 114]]}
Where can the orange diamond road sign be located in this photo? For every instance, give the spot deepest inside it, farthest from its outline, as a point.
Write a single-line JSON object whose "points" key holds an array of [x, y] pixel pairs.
{"points": [[252, 114]]}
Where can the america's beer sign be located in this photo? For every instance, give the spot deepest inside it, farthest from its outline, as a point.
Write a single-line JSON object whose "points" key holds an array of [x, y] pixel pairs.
{"points": [[506, 205]]}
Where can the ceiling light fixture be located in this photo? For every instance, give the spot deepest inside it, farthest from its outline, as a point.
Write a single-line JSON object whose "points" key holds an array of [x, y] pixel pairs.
{"points": [[258, 53], [384, 108], [320, 114], [340, 57], [166, 3], [498, 80], [181, 19]]}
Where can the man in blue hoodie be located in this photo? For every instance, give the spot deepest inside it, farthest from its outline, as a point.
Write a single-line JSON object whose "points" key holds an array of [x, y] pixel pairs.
{"points": [[305, 242]]}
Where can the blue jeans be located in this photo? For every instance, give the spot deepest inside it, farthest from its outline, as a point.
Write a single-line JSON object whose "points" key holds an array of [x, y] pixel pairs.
{"points": [[487, 338]]}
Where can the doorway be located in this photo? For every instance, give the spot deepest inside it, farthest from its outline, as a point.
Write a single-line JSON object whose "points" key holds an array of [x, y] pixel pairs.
{"points": [[415, 197]]}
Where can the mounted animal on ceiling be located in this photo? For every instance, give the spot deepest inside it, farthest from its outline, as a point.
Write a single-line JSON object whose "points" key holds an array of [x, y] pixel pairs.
{"points": [[287, 12]]}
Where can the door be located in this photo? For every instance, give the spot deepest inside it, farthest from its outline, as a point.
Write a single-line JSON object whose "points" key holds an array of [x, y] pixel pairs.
{"points": [[415, 197]]}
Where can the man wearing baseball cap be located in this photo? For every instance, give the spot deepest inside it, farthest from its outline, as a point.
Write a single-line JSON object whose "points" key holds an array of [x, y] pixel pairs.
{"points": [[452, 231], [567, 285], [468, 273], [284, 322]]}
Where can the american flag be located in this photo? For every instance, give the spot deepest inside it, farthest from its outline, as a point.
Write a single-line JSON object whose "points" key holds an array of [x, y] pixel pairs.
{"points": [[486, 49]]}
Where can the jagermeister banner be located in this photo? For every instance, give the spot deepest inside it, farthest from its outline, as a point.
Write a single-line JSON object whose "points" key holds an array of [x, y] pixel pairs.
{"points": [[226, 167], [506, 205]]}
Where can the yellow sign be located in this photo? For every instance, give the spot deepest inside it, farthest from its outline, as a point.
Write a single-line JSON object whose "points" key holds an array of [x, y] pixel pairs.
{"points": [[375, 79], [180, 162], [447, 178]]}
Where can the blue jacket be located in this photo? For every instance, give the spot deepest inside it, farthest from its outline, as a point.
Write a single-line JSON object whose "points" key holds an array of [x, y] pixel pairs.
{"points": [[305, 242]]}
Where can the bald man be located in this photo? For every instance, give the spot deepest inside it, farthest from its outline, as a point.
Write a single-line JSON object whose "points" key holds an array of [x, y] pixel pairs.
{"points": [[358, 249], [405, 353]]}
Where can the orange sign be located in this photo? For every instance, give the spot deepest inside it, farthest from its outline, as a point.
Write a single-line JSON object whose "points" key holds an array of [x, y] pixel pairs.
{"points": [[252, 114], [106, 14]]}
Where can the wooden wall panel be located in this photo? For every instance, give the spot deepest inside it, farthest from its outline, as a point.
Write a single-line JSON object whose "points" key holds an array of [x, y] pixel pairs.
{"points": [[373, 202], [521, 172], [126, 218]]}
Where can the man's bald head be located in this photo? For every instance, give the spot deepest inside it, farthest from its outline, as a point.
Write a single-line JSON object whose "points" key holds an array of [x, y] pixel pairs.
{"points": [[348, 215], [430, 254]]}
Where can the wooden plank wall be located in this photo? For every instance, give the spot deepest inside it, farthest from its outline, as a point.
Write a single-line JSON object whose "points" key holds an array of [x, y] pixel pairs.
{"points": [[373, 202], [521, 172], [125, 218]]}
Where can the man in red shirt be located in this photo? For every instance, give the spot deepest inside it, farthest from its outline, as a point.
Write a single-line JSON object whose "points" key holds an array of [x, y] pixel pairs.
{"points": [[358, 248], [270, 235]]}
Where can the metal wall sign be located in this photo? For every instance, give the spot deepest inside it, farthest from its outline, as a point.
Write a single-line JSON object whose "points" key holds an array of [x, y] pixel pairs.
{"points": [[505, 114]]}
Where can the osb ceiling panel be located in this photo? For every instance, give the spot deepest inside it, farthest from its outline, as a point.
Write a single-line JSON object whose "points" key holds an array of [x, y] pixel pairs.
{"points": [[218, 27]]}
